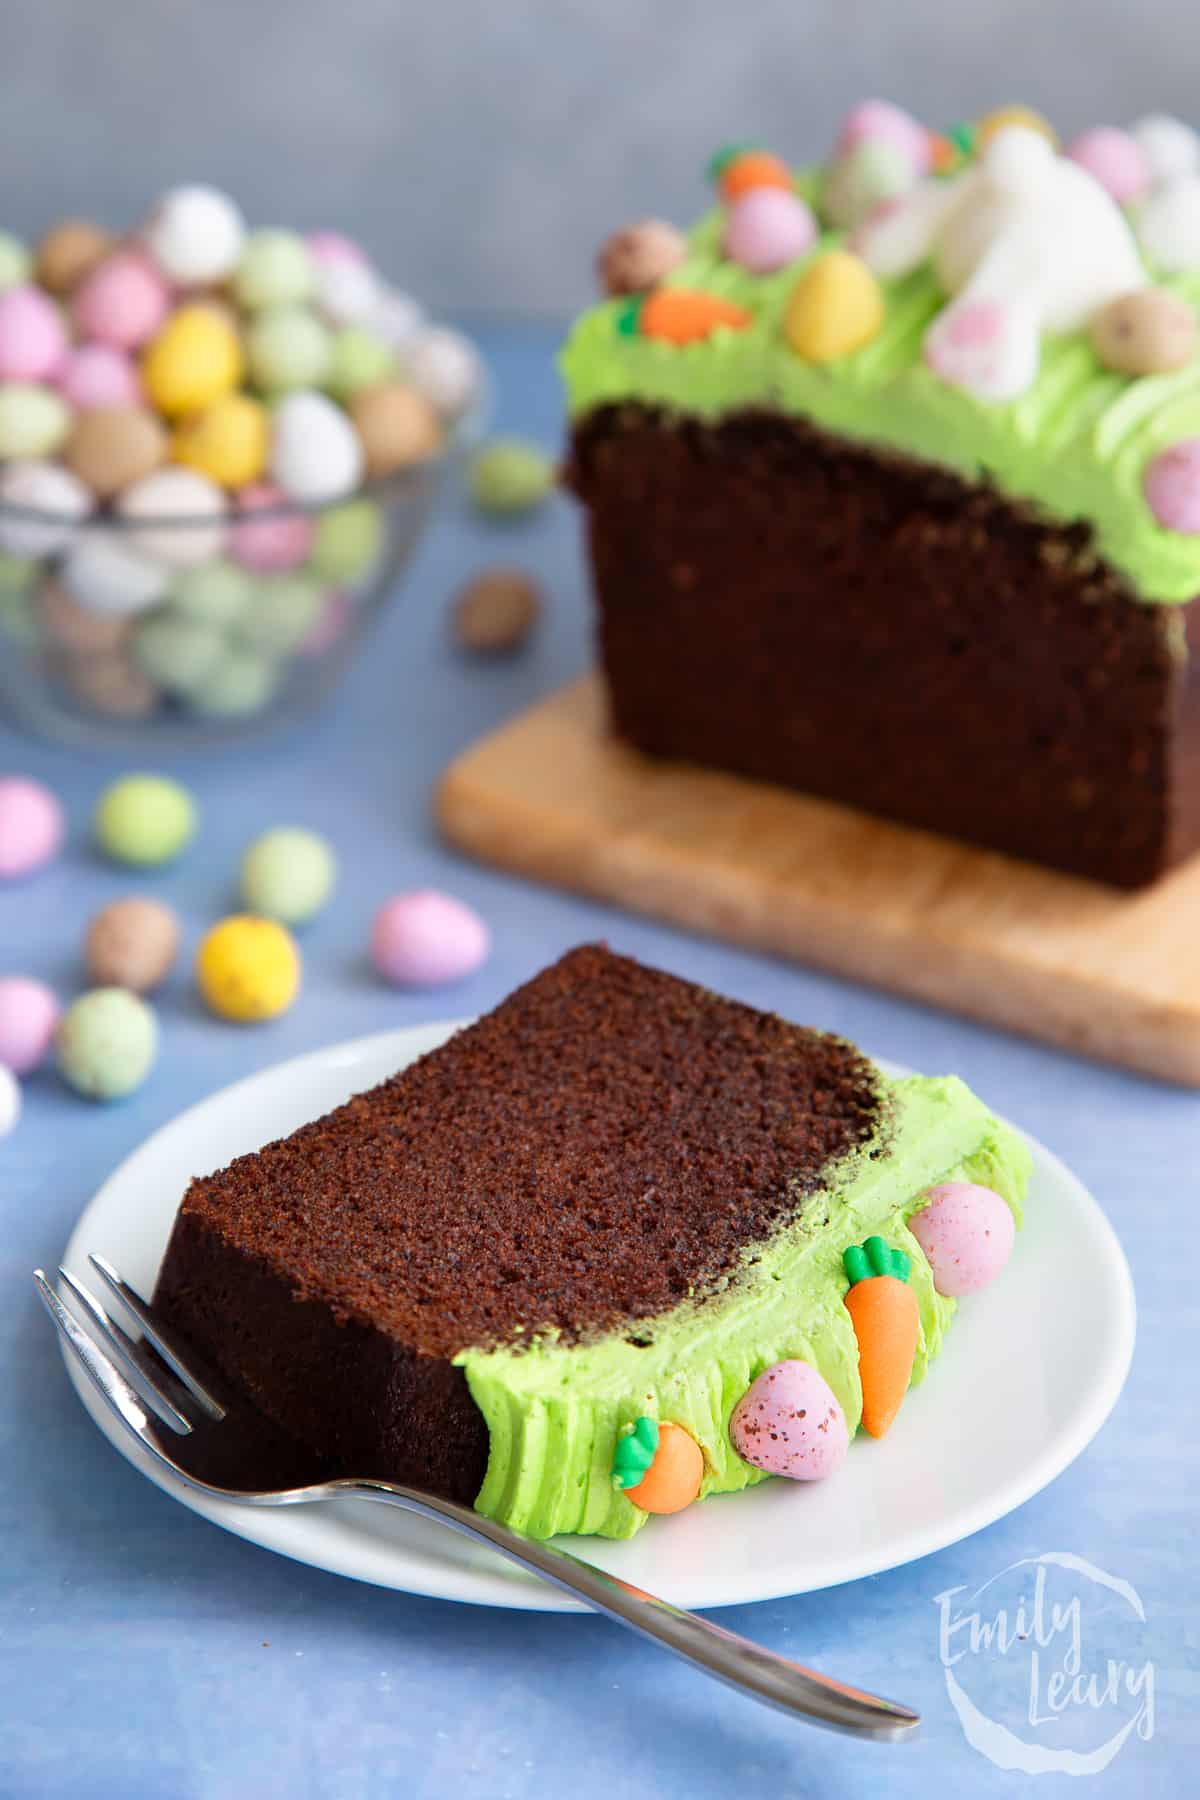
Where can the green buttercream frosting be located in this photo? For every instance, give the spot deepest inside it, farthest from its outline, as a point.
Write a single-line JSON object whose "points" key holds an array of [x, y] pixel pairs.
{"points": [[558, 1414], [1075, 444]]}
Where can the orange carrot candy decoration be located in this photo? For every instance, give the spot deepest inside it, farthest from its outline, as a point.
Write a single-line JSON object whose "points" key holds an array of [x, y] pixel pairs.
{"points": [[736, 168], [678, 315], [660, 1466], [887, 1325]]}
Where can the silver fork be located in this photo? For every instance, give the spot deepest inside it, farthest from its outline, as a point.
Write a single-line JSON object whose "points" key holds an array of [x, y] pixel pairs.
{"points": [[183, 1415]]}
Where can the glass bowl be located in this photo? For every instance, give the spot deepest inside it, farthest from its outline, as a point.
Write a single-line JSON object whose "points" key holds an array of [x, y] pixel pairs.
{"points": [[119, 633]]}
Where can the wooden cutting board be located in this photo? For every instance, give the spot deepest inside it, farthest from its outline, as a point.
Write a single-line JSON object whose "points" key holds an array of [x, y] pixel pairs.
{"points": [[1111, 975]]}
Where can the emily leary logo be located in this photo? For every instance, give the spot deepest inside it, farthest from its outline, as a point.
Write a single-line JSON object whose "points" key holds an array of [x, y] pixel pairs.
{"points": [[1029, 1671]]}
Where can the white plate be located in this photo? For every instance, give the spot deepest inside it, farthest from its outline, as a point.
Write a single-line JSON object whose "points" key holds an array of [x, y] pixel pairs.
{"points": [[1031, 1370]]}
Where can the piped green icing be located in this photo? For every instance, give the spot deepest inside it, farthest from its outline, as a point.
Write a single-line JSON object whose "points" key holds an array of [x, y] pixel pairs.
{"points": [[557, 1413], [635, 1451], [876, 1257], [1076, 444]]}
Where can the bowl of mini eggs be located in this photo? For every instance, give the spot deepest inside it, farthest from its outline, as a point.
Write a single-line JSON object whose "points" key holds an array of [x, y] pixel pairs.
{"points": [[218, 448]]}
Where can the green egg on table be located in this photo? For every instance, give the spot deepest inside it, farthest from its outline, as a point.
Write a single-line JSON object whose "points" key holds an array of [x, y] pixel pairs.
{"points": [[357, 358], [34, 420], [144, 820], [242, 682], [275, 269], [217, 593], [287, 347], [106, 1043], [346, 540], [15, 261], [285, 608], [176, 651], [288, 874], [510, 476]]}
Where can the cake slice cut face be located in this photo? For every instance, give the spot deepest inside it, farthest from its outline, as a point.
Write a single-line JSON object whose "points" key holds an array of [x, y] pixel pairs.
{"points": [[617, 1197]]}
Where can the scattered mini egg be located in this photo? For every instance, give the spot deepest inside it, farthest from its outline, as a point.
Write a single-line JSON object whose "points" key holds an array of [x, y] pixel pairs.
{"points": [[176, 517], [1171, 149], [1168, 226], [288, 874], [34, 420], [967, 1233], [275, 269], [44, 488], [240, 683], [144, 820], [93, 375], [866, 178], [396, 318], [175, 652], [347, 289], [112, 686], [217, 593], [287, 347], [111, 447], [68, 253], [397, 427], [281, 614], [836, 307], [32, 826], [789, 1423], [107, 1041], [1145, 333], [444, 366], [229, 441], [122, 302], [248, 969], [196, 235], [879, 122], [358, 358], [78, 629], [33, 338], [15, 262], [29, 1012], [195, 359], [510, 475], [426, 938], [1113, 158], [346, 540], [638, 257], [10, 1101], [496, 612], [269, 534], [768, 228], [316, 454], [132, 944], [1172, 486], [104, 572]]}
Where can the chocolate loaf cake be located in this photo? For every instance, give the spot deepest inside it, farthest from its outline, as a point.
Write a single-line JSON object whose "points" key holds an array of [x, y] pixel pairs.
{"points": [[890, 494], [616, 1197]]}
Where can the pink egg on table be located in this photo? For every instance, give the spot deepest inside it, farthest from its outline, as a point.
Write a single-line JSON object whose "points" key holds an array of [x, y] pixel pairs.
{"points": [[1114, 159], [268, 533], [94, 375], [967, 1235], [332, 246], [31, 826], [425, 938], [332, 624], [768, 228], [880, 122], [122, 302], [789, 1423], [29, 1012], [1172, 486], [33, 338]]}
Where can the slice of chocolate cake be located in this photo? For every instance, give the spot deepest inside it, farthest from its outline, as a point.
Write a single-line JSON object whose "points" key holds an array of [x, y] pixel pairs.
{"points": [[617, 1197]]}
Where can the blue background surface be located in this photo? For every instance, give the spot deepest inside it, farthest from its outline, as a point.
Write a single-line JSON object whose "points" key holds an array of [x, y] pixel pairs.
{"points": [[145, 1653]]}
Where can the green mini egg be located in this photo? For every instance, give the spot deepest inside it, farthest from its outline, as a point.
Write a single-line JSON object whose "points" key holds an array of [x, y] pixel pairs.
{"points": [[287, 347], [144, 820], [106, 1043], [15, 261], [175, 651], [240, 684], [357, 358], [285, 608], [275, 270], [288, 874], [346, 541], [34, 421], [510, 476], [217, 593]]}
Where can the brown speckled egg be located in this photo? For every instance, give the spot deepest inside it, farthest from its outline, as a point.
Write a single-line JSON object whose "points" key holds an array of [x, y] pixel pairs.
{"points": [[69, 252], [398, 427], [639, 256], [113, 446], [111, 684], [77, 629], [1147, 333], [131, 944], [495, 613]]}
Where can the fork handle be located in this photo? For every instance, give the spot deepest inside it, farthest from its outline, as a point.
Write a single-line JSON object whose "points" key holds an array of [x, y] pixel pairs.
{"points": [[734, 1660]]}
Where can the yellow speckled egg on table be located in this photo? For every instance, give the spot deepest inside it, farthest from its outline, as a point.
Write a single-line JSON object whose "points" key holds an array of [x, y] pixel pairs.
{"points": [[248, 969], [194, 360]]}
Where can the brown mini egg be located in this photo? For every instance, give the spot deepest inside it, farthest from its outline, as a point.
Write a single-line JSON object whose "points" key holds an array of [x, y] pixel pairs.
{"points": [[111, 685], [1146, 333], [68, 252], [396, 425], [112, 446], [77, 629], [131, 944], [495, 613], [639, 256]]}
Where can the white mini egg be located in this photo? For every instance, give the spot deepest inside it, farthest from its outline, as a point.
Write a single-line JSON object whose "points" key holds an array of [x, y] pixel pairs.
{"points": [[176, 495], [1168, 226], [396, 317], [196, 235], [445, 367], [45, 488], [107, 575], [315, 451], [1170, 147], [347, 290]]}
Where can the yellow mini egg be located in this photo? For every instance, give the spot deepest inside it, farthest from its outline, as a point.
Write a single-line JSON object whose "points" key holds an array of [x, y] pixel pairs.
{"points": [[229, 441], [248, 969], [836, 307], [195, 359], [1001, 117]]}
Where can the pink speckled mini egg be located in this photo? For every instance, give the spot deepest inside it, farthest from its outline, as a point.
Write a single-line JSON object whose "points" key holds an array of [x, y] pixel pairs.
{"points": [[967, 1235], [269, 544], [426, 938], [768, 228], [1172, 486], [31, 826], [122, 302], [878, 121], [789, 1423], [33, 338], [29, 1012], [95, 375], [1114, 159]]}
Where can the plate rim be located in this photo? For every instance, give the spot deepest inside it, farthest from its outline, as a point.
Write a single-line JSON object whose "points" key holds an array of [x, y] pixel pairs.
{"points": [[481, 1587]]}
